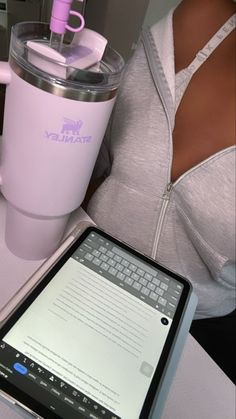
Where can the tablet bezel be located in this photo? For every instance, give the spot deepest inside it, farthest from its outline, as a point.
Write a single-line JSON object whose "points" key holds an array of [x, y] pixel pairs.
{"points": [[34, 405]]}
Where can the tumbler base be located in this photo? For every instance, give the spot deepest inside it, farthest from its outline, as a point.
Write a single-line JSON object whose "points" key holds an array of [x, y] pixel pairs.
{"points": [[33, 238]]}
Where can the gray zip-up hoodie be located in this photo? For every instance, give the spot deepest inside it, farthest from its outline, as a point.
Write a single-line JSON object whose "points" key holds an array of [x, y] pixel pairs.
{"points": [[189, 225]]}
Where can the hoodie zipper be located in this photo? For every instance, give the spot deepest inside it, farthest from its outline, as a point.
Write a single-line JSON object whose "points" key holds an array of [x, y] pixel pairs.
{"points": [[164, 206], [169, 186], [166, 195]]}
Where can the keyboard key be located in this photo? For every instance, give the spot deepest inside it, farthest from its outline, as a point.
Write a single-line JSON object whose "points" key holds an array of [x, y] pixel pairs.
{"points": [[137, 286], [135, 276], [111, 262], [117, 258], [102, 249], [151, 286], [153, 296], [156, 281], [110, 254], [89, 257], [176, 286], [127, 271], [143, 281], [148, 276], [120, 276], [174, 292], [132, 267], [145, 291], [164, 286], [172, 299], [165, 279], [159, 291], [125, 263], [81, 250], [97, 261], [105, 266], [96, 253], [87, 246], [162, 301], [119, 267], [112, 271], [129, 281], [140, 272], [170, 306], [104, 258], [93, 243]]}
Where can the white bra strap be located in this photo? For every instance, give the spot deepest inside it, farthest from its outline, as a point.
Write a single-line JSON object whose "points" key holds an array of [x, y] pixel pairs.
{"points": [[219, 36]]}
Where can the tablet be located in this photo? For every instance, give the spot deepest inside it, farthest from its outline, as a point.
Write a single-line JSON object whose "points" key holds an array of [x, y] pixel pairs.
{"points": [[99, 336]]}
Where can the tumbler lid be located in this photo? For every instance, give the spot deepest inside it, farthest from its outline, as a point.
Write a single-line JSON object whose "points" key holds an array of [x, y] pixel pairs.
{"points": [[84, 52], [62, 78]]}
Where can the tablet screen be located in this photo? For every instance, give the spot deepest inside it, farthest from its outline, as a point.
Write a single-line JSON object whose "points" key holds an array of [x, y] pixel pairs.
{"points": [[91, 341]]}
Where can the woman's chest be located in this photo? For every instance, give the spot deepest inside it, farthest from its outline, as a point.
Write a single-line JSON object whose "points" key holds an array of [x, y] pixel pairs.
{"points": [[205, 118]]}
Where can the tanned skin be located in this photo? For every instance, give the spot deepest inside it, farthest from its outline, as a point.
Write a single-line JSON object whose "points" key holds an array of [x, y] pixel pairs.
{"points": [[205, 119]]}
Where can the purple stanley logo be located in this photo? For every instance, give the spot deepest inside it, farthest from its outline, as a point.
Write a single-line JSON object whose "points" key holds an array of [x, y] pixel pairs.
{"points": [[70, 133], [71, 126]]}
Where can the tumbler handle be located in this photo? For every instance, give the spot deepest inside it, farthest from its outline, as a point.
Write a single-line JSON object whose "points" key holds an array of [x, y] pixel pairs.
{"points": [[5, 78], [5, 72]]}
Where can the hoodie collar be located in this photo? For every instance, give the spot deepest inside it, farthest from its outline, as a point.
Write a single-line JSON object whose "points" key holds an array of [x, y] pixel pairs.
{"points": [[162, 33]]}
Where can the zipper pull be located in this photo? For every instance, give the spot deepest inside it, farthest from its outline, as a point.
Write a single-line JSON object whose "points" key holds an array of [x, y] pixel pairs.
{"points": [[166, 194]]}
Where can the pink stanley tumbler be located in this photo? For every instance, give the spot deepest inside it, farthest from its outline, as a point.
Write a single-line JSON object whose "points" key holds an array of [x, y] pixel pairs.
{"points": [[54, 122]]}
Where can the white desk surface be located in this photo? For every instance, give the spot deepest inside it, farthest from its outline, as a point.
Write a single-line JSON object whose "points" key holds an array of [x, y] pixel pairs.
{"points": [[200, 390]]}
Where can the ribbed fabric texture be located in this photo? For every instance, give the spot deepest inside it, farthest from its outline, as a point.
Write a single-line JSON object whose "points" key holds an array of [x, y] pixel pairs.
{"points": [[197, 234]]}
